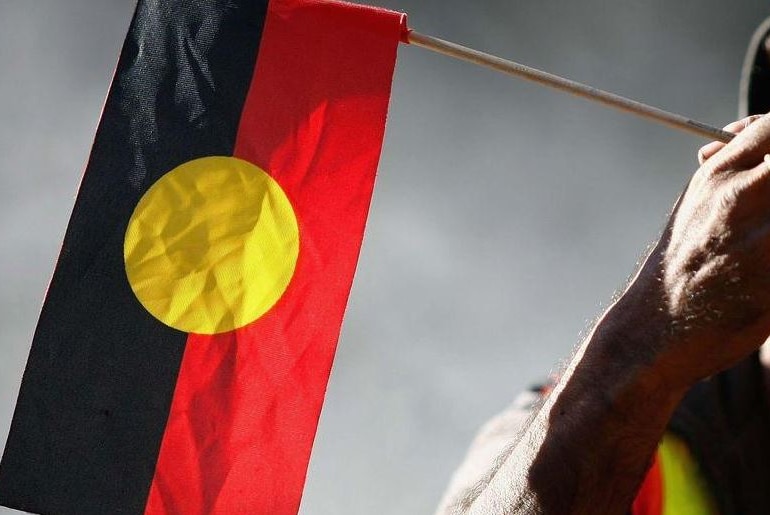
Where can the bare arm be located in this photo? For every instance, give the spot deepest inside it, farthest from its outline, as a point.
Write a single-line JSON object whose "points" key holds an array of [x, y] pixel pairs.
{"points": [[699, 304]]}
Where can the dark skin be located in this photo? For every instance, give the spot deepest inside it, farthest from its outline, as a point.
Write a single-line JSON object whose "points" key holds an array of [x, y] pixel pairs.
{"points": [[699, 304]]}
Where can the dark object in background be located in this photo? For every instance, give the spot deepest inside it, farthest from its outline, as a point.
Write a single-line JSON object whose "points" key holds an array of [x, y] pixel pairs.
{"points": [[755, 78]]}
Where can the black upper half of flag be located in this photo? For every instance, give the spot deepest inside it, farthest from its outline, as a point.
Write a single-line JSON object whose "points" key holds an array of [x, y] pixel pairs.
{"points": [[100, 377]]}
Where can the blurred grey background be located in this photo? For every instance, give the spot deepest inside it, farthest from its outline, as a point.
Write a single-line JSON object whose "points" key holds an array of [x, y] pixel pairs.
{"points": [[504, 218]]}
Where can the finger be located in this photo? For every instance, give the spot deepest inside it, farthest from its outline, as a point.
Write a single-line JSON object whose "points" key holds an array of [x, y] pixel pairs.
{"points": [[751, 189], [756, 177], [747, 149], [738, 125], [708, 150]]}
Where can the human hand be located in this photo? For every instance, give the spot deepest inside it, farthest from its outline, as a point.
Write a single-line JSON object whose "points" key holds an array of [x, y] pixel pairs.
{"points": [[708, 150], [710, 272]]}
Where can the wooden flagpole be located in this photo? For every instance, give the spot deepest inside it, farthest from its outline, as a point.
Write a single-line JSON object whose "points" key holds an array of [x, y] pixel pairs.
{"points": [[576, 88]]}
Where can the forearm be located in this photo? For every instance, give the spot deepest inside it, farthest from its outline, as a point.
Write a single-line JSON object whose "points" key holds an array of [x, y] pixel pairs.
{"points": [[589, 446], [700, 304]]}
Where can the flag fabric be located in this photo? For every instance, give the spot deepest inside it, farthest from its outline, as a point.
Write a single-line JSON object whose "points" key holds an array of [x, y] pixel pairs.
{"points": [[183, 350]]}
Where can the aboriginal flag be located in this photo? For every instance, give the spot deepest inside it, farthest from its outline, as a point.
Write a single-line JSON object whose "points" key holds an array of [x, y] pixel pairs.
{"points": [[182, 354]]}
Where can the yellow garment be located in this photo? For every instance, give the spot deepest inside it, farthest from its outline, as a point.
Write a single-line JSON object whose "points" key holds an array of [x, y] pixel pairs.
{"points": [[685, 491]]}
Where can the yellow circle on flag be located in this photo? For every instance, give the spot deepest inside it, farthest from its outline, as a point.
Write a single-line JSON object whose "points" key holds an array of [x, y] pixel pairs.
{"points": [[212, 245]]}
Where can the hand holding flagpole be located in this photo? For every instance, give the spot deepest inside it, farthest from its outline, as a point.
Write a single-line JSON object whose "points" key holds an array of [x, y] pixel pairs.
{"points": [[576, 88]]}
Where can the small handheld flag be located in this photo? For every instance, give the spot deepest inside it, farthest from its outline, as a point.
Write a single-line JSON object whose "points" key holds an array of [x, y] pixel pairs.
{"points": [[182, 354], [183, 351]]}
